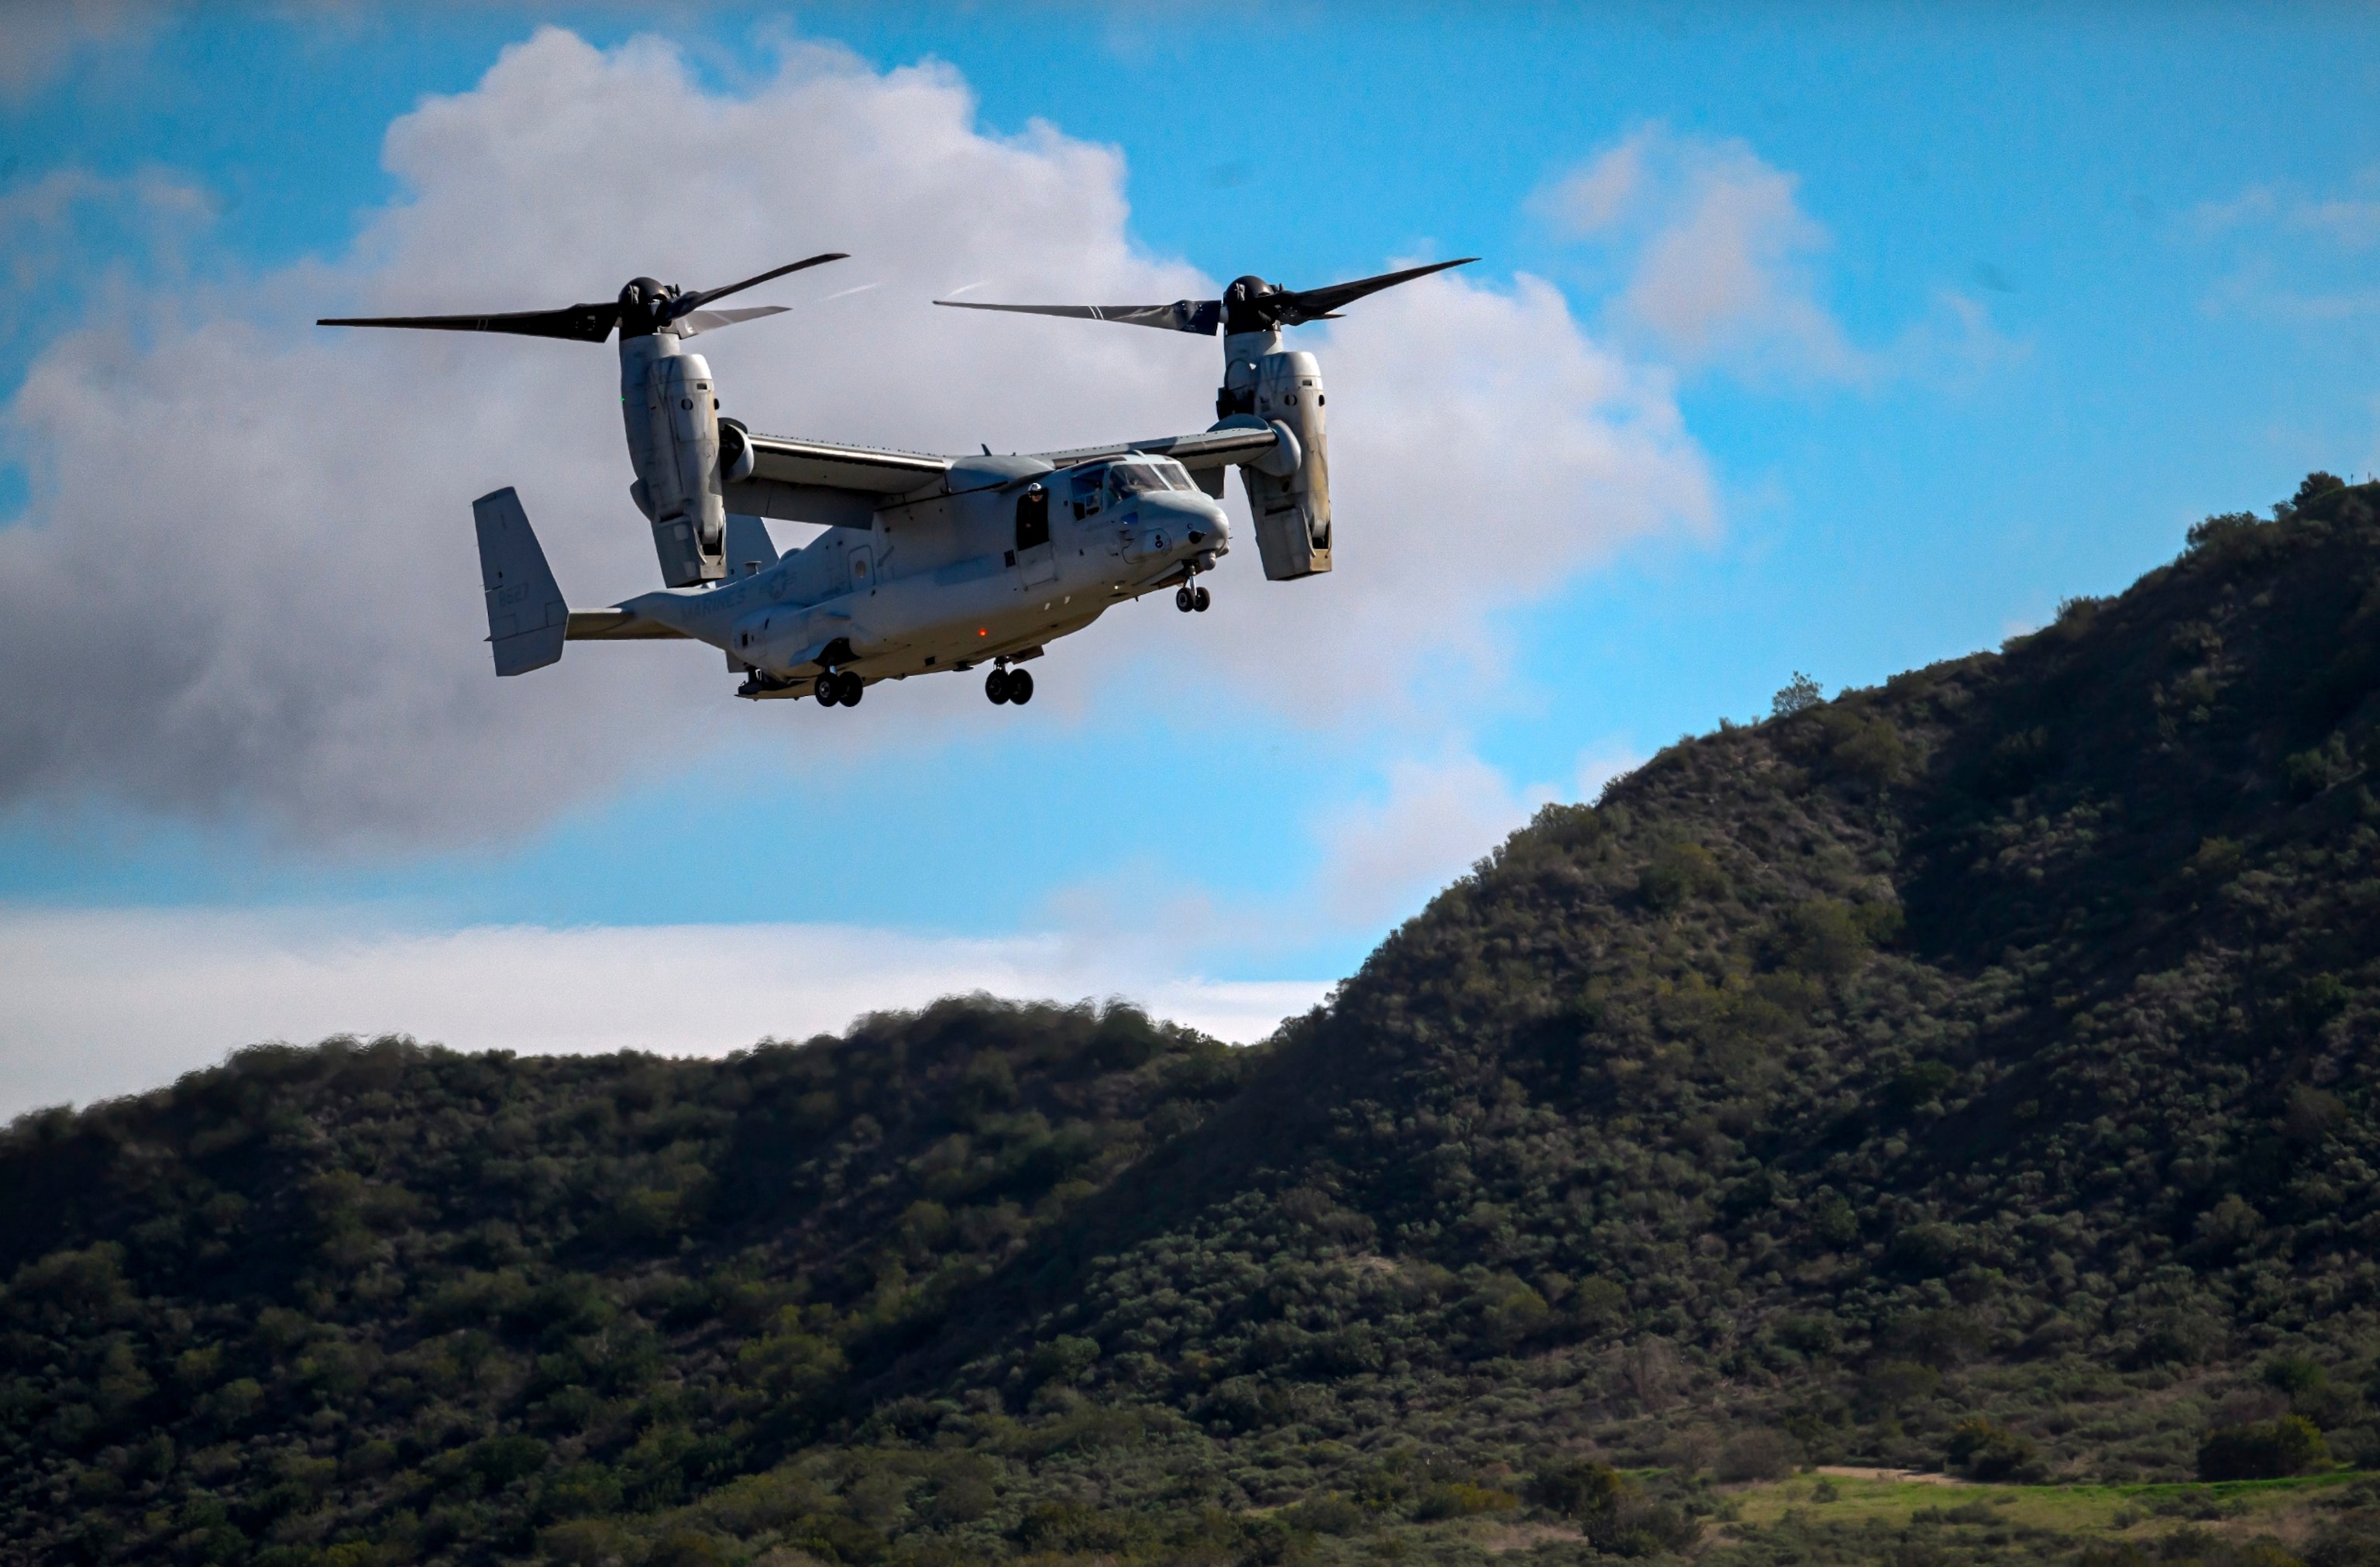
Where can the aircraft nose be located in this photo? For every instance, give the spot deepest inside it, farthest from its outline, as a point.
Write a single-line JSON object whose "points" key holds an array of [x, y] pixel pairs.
{"points": [[1201, 521]]}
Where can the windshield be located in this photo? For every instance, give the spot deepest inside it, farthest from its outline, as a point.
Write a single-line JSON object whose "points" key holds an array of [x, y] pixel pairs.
{"points": [[1133, 479]]}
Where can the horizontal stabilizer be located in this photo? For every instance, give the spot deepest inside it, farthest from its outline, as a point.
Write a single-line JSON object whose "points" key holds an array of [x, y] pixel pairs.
{"points": [[526, 619], [616, 626]]}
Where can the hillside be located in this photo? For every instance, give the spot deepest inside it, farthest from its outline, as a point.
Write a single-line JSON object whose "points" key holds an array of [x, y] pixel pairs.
{"points": [[1971, 1072]]}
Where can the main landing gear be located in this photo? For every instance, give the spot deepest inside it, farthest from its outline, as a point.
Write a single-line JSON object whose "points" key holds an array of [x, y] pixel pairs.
{"points": [[840, 688], [1186, 598], [1009, 686]]}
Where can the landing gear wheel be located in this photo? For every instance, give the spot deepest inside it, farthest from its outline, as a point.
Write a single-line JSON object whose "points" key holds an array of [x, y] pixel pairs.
{"points": [[1020, 686], [1184, 601], [995, 685], [824, 687], [848, 689], [1200, 600]]}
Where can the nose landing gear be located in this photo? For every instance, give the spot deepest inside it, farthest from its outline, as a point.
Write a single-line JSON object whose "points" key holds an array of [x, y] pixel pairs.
{"points": [[1186, 599]]}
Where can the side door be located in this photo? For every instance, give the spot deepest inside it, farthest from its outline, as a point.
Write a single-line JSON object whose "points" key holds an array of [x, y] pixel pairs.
{"points": [[1036, 556]]}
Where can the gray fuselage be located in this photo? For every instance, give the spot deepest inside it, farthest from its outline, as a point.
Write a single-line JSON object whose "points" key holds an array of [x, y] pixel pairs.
{"points": [[994, 560]]}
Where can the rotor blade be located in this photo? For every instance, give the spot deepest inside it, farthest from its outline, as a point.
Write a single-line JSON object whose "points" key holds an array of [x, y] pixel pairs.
{"points": [[1201, 316], [577, 323], [696, 302], [711, 321], [1290, 309]]}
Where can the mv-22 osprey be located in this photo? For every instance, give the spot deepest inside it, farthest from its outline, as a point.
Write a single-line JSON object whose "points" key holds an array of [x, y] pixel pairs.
{"points": [[927, 563]]}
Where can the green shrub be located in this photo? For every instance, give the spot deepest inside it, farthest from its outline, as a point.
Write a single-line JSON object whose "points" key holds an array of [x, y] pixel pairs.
{"points": [[1759, 1455], [1577, 1488], [1985, 1450], [1823, 939], [1459, 1498], [2263, 1450], [1679, 872]]}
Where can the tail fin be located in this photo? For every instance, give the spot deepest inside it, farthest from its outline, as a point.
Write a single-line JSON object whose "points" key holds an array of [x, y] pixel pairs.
{"points": [[526, 618], [750, 548]]}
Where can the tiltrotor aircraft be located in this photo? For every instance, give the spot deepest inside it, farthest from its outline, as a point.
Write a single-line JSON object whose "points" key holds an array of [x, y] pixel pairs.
{"points": [[927, 563]]}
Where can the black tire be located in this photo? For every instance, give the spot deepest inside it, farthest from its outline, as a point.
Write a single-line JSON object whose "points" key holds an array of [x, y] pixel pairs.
{"points": [[1201, 600], [849, 688], [824, 688], [1182, 600], [995, 685], [1020, 686]]}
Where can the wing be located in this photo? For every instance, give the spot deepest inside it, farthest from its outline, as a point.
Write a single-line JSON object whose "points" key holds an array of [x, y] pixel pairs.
{"points": [[869, 470], [840, 486], [827, 483], [1209, 448]]}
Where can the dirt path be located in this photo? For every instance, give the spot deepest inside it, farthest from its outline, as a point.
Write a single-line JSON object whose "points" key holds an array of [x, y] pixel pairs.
{"points": [[1914, 1476]]}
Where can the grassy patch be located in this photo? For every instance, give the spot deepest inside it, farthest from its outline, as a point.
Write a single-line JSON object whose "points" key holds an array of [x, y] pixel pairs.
{"points": [[2143, 1510]]}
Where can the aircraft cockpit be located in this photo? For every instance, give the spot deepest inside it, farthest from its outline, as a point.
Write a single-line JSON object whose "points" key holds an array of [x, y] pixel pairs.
{"points": [[1113, 484]]}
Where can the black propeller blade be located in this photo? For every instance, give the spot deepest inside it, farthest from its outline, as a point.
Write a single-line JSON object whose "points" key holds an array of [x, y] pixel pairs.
{"points": [[593, 324], [1287, 308], [1201, 316], [690, 302], [580, 323], [1250, 305]]}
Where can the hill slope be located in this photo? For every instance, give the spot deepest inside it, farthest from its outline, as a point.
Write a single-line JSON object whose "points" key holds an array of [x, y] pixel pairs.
{"points": [[1974, 1069]]}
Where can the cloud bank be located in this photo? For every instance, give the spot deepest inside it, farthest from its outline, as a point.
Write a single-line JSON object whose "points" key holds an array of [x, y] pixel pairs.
{"points": [[71, 1028], [244, 588]]}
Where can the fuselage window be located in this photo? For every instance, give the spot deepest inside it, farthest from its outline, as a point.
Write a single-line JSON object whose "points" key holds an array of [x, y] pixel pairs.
{"points": [[1032, 517]]}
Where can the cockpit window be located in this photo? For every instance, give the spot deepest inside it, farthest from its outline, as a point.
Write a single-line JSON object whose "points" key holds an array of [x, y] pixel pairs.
{"points": [[1086, 492], [1133, 479], [1175, 476]]}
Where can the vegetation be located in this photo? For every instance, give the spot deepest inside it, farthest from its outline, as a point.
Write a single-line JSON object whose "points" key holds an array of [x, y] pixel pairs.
{"points": [[1969, 1075]]}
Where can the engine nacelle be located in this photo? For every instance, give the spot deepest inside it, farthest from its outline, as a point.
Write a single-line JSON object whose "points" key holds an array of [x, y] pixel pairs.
{"points": [[674, 439], [1292, 508], [735, 453]]}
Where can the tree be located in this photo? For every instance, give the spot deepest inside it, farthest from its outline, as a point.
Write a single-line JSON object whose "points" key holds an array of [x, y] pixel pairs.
{"points": [[1800, 695]]}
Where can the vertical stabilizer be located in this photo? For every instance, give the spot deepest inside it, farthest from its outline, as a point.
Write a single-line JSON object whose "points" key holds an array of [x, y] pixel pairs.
{"points": [[526, 618], [750, 548]]}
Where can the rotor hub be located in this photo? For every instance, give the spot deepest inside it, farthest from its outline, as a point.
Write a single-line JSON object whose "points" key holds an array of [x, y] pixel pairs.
{"points": [[1242, 311]]}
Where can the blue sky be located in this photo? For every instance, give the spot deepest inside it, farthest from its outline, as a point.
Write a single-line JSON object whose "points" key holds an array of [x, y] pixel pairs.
{"points": [[1838, 339]]}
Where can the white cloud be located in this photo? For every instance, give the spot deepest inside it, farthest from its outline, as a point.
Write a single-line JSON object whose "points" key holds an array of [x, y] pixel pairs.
{"points": [[1600, 766], [1484, 453], [1715, 264], [2351, 221], [1438, 819], [51, 226], [1724, 268], [245, 587], [47, 37], [2296, 258], [71, 1028], [1383, 858]]}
